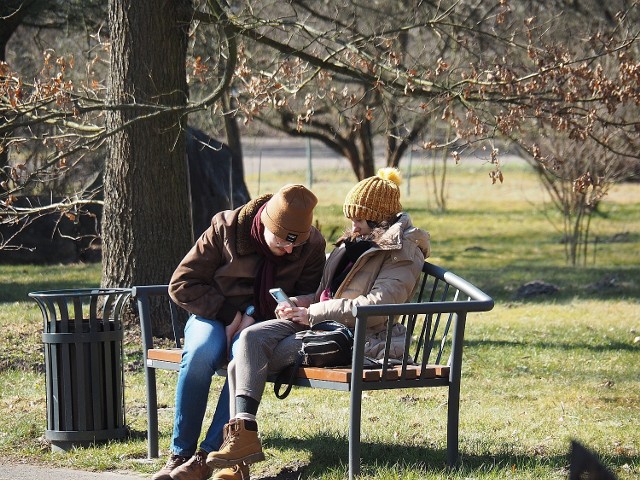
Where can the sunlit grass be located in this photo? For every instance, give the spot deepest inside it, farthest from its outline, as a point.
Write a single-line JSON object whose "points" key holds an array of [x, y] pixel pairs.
{"points": [[537, 372]]}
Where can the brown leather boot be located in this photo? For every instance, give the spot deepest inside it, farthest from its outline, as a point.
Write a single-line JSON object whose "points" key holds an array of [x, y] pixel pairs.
{"points": [[174, 462], [241, 445], [237, 472], [194, 469]]}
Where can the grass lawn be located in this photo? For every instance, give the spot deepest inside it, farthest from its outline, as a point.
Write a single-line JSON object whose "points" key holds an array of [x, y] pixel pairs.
{"points": [[536, 373]]}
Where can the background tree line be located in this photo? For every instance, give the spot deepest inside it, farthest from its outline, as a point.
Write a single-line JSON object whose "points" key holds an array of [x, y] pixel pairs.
{"points": [[87, 90]]}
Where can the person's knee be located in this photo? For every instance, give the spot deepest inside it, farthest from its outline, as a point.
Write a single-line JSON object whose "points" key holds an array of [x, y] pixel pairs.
{"points": [[205, 344], [204, 354], [246, 337]]}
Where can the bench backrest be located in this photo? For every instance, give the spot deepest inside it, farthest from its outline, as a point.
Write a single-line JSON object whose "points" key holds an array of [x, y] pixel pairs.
{"points": [[435, 319]]}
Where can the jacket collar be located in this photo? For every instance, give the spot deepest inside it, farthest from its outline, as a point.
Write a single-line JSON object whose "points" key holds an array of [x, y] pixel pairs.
{"points": [[392, 238], [402, 231], [247, 212]]}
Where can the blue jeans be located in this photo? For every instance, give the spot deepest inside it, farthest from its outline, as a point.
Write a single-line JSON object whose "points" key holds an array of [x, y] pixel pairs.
{"points": [[204, 351]]}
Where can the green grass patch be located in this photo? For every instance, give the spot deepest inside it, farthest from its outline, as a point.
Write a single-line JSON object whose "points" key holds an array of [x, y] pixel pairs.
{"points": [[537, 372]]}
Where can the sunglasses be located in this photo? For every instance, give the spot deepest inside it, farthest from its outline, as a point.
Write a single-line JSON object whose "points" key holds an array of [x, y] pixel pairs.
{"points": [[280, 243]]}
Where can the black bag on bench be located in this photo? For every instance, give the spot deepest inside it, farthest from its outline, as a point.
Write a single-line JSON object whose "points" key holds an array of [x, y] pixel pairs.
{"points": [[327, 344]]}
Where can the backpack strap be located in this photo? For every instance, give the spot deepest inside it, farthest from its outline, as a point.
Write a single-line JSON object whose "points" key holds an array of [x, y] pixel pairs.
{"points": [[282, 378]]}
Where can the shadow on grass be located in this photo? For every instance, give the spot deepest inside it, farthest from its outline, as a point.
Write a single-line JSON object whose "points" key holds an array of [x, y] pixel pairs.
{"points": [[136, 434], [330, 454], [551, 345]]}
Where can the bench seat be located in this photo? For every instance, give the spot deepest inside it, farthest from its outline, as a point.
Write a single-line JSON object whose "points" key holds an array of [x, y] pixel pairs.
{"points": [[169, 359]]}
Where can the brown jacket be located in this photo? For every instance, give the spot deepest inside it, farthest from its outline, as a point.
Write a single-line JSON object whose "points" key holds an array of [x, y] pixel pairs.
{"points": [[386, 273], [215, 279]]}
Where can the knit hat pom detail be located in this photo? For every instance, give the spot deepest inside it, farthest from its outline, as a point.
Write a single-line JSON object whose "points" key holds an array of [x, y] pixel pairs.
{"points": [[391, 174]]}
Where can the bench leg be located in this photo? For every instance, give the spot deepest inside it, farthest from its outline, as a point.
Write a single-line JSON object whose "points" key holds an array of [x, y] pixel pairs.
{"points": [[453, 420], [355, 405], [354, 433], [152, 413], [455, 375]]}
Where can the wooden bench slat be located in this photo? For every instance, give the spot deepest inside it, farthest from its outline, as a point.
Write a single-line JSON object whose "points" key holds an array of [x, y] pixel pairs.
{"points": [[373, 375], [430, 371], [342, 375], [165, 354]]}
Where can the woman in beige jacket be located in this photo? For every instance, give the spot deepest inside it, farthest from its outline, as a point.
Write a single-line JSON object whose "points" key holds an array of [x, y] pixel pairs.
{"points": [[378, 261]]}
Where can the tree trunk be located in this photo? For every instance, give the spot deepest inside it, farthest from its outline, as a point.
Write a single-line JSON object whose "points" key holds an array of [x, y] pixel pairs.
{"points": [[12, 13], [366, 144], [239, 192], [146, 223]]}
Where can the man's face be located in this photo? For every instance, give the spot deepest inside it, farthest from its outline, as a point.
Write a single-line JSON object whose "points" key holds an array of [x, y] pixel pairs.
{"points": [[278, 246]]}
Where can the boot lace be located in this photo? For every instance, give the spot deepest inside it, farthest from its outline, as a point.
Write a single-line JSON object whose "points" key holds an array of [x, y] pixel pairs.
{"points": [[200, 458], [241, 471], [229, 439], [175, 461]]}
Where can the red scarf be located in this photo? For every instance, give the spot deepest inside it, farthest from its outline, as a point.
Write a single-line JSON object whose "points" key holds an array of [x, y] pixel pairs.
{"points": [[266, 271]]}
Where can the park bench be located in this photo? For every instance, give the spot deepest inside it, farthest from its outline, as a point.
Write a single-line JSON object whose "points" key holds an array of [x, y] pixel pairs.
{"points": [[435, 320]]}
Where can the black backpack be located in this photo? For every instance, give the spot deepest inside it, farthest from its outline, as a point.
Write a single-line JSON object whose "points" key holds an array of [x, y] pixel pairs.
{"points": [[326, 344]]}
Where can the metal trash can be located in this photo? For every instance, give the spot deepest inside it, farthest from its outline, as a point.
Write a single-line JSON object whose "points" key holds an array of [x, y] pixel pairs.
{"points": [[83, 352]]}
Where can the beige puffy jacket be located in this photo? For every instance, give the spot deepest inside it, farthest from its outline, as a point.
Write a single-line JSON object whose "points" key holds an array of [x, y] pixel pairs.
{"points": [[386, 273]]}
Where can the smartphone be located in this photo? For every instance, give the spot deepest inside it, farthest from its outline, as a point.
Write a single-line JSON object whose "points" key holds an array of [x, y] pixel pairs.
{"points": [[281, 297]]}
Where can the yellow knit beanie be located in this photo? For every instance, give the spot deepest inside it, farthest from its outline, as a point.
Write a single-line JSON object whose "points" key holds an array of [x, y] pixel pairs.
{"points": [[375, 198]]}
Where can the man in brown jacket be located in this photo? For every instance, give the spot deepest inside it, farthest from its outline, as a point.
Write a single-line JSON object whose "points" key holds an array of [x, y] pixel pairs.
{"points": [[224, 282]]}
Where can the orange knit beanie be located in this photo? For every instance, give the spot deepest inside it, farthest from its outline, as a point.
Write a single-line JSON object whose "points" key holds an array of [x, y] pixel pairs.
{"points": [[375, 198]]}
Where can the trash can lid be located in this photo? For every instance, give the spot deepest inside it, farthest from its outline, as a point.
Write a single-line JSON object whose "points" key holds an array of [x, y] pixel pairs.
{"points": [[77, 292]]}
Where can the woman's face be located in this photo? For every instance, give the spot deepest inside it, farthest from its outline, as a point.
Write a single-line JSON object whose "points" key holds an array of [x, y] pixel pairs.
{"points": [[360, 226]]}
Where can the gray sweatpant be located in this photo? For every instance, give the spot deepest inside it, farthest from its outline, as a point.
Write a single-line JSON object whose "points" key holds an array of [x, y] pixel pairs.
{"points": [[262, 349]]}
